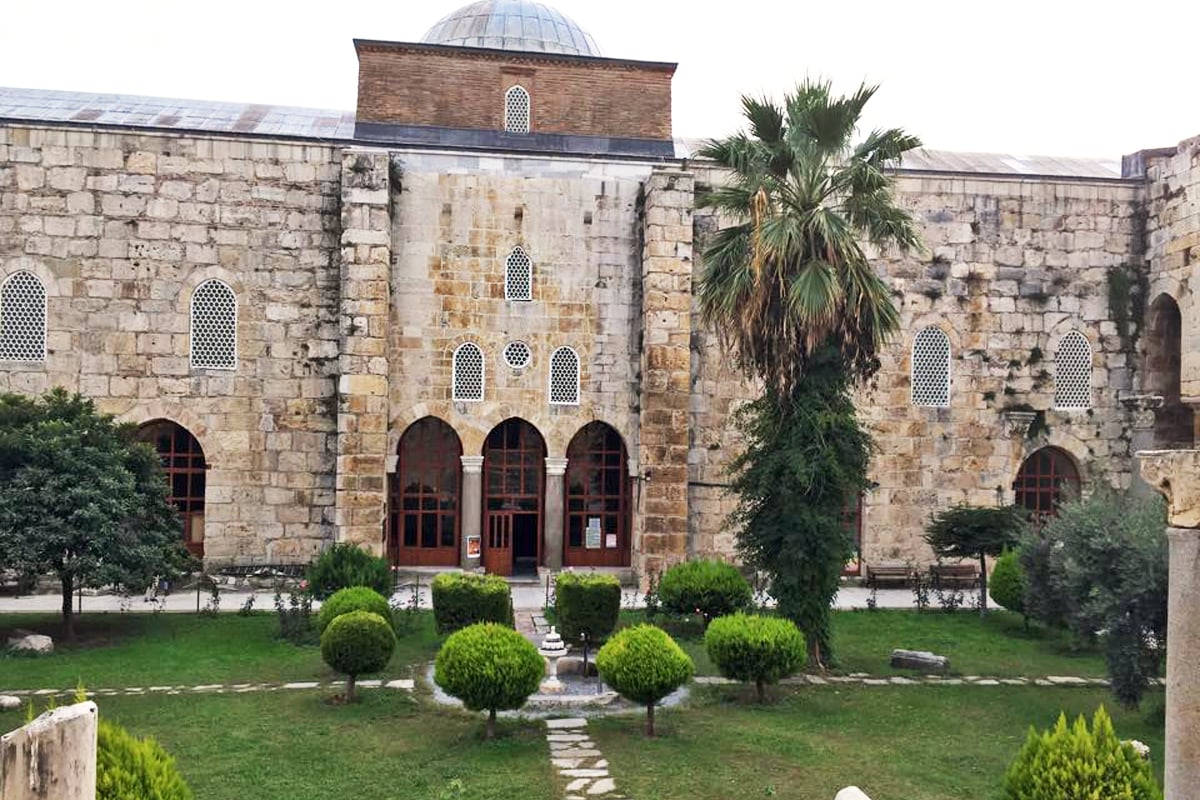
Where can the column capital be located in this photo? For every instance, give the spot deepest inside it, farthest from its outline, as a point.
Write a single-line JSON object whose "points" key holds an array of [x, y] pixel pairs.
{"points": [[472, 465], [556, 466], [1142, 408], [1175, 474]]}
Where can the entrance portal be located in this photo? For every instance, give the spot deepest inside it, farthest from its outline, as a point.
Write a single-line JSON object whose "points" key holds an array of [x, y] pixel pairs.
{"points": [[514, 468]]}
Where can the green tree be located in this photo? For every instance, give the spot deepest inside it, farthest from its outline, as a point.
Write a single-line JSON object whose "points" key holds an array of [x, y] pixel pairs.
{"points": [[974, 532], [80, 499], [792, 296]]}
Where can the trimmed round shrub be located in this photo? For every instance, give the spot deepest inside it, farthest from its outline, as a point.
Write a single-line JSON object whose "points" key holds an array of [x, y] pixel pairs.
{"points": [[353, 598], [586, 604], [1008, 585], [1074, 763], [461, 599], [490, 667], [356, 643], [129, 768], [644, 664], [755, 649], [709, 588], [344, 565]]}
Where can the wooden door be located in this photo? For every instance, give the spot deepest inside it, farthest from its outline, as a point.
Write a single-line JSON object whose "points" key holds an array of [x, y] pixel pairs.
{"points": [[497, 550]]}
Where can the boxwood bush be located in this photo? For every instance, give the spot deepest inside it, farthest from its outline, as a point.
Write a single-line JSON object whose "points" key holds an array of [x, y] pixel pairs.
{"points": [[464, 598], [1074, 763], [489, 667], [755, 649], [586, 604], [356, 643], [128, 768], [645, 665], [352, 598], [1008, 585], [344, 565], [709, 588]]}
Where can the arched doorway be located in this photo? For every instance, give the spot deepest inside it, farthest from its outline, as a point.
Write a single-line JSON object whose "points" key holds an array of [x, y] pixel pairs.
{"points": [[1164, 345], [598, 507], [514, 468], [1045, 479], [185, 470], [423, 496]]}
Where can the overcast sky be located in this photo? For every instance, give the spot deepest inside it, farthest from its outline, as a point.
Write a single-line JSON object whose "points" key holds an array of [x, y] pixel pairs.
{"points": [[1051, 77]]}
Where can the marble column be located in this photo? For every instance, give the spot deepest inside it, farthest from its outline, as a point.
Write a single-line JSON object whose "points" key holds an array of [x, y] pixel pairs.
{"points": [[553, 525], [471, 509]]}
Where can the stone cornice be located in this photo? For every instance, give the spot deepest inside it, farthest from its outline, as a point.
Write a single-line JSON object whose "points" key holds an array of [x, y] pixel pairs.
{"points": [[511, 56]]}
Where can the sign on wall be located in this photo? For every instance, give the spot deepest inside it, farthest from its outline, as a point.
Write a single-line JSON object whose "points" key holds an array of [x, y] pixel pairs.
{"points": [[592, 541]]}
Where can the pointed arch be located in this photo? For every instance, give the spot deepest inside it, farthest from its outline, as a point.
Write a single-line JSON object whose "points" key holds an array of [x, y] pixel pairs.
{"points": [[23, 318], [518, 275], [564, 377], [424, 522], [467, 379], [516, 109], [1045, 479], [930, 368], [186, 472], [214, 318], [1173, 425], [598, 506], [1073, 372]]}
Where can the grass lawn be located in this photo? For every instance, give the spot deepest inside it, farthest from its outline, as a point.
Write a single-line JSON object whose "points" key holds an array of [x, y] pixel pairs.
{"points": [[915, 743], [116, 650], [863, 642]]}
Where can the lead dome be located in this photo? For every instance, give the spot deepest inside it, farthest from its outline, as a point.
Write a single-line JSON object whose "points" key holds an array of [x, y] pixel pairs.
{"points": [[518, 25]]}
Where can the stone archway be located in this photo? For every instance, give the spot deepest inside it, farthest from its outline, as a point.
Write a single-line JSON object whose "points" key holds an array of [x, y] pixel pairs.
{"points": [[514, 481], [597, 531], [186, 473], [1164, 342], [423, 520]]}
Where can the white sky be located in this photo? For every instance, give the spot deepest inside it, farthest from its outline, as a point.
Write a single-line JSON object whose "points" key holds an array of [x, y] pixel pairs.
{"points": [[1051, 77]]}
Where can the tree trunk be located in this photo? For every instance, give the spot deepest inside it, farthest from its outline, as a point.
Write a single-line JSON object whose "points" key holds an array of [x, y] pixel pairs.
{"points": [[762, 690], [349, 688], [814, 653], [68, 607], [983, 585], [489, 731], [650, 720]]}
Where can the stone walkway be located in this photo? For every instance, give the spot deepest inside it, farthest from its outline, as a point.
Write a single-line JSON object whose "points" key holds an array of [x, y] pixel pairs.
{"points": [[404, 684], [863, 679], [578, 760]]}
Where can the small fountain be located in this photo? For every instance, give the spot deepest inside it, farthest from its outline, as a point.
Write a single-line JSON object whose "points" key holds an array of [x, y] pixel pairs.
{"points": [[553, 648]]}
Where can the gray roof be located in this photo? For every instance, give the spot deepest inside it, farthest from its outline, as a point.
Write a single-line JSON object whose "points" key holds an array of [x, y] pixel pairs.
{"points": [[128, 111], [980, 163], [512, 25]]}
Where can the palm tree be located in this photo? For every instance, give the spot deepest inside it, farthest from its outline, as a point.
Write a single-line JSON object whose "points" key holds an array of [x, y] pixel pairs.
{"points": [[791, 293]]}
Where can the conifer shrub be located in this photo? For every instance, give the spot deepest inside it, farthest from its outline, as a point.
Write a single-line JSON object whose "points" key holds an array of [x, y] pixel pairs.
{"points": [[489, 667], [709, 588], [129, 768], [644, 664], [464, 599], [586, 604], [357, 643], [352, 598], [344, 565], [1008, 585], [1074, 763], [755, 649]]}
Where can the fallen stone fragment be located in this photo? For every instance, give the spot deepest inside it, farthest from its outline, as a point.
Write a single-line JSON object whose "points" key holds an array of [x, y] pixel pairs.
{"points": [[921, 660]]}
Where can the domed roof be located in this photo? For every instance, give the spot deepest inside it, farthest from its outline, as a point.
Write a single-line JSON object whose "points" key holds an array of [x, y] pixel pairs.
{"points": [[512, 25]]}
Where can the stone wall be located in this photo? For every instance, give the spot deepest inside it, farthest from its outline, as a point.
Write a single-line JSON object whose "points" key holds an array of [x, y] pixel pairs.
{"points": [[121, 227]]}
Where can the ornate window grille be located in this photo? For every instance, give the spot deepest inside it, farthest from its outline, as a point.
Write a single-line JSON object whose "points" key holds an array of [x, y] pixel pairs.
{"points": [[214, 326], [1073, 375], [467, 380], [564, 377], [516, 110], [931, 369], [518, 275], [22, 318], [517, 355]]}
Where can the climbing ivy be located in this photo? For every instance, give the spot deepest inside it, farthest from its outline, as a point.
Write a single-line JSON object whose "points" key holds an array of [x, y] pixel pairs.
{"points": [[1127, 290]]}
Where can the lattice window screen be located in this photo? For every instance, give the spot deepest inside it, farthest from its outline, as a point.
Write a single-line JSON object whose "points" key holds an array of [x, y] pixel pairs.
{"points": [[564, 377], [22, 318], [516, 110], [468, 374], [931, 369], [517, 355], [1073, 376], [214, 326], [518, 276]]}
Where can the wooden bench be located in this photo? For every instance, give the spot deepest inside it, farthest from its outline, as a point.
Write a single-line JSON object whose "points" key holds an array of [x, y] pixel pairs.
{"points": [[955, 576], [895, 572]]}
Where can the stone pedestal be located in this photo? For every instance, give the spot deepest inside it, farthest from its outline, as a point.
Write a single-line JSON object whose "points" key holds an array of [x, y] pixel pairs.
{"points": [[471, 513], [553, 528], [51, 758], [1142, 410]]}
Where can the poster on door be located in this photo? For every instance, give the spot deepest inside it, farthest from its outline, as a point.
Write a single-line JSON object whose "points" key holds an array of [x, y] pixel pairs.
{"points": [[592, 540]]}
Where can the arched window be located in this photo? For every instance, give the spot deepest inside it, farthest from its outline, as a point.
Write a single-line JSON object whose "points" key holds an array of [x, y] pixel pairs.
{"points": [[1073, 375], [931, 369], [423, 520], [516, 110], [598, 506], [564, 377], [1043, 481], [22, 318], [467, 379], [514, 481], [518, 275], [214, 326], [185, 470], [1173, 426]]}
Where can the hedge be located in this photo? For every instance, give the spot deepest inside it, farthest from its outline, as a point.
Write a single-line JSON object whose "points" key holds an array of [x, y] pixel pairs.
{"points": [[463, 598], [586, 604], [709, 588]]}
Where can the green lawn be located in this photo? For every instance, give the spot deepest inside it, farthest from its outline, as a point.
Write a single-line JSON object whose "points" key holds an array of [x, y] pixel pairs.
{"points": [[906, 743], [116, 650]]}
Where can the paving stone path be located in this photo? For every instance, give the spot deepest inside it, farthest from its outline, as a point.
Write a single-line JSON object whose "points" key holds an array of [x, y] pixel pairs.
{"points": [[404, 685], [578, 760], [863, 679]]}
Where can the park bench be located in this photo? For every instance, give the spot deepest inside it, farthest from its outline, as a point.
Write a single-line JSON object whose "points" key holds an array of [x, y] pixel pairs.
{"points": [[954, 576], [893, 572]]}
